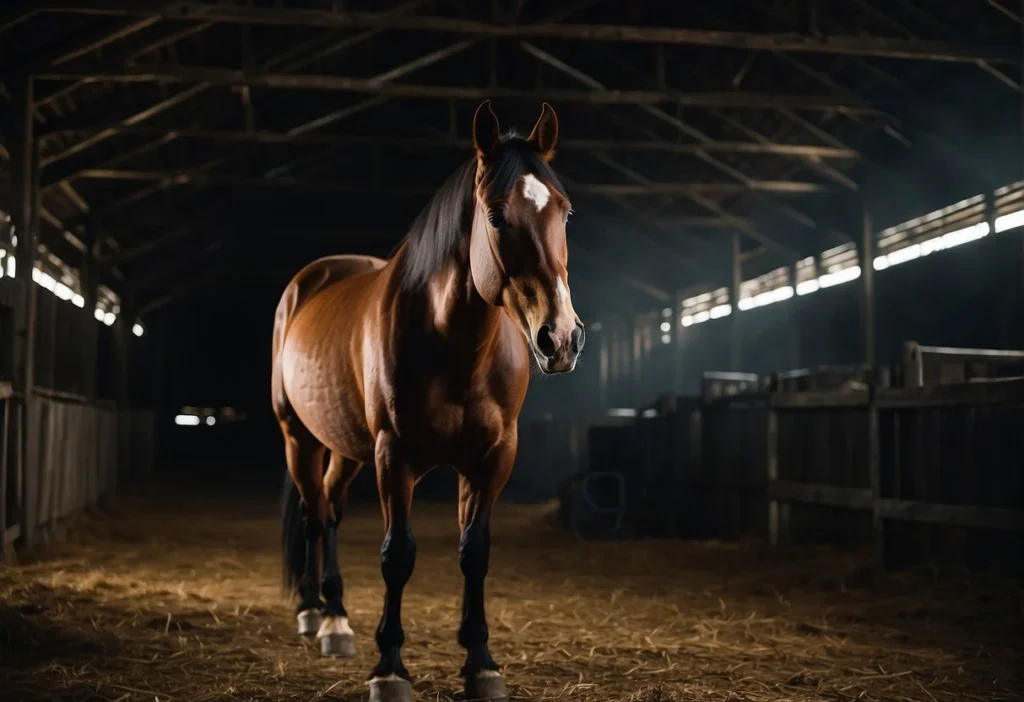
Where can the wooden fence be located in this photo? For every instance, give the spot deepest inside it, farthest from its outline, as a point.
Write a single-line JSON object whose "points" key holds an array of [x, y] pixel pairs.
{"points": [[76, 453], [923, 460]]}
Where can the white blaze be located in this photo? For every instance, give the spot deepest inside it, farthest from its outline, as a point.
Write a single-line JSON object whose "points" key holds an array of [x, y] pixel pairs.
{"points": [[561, 291], [535, 191]]}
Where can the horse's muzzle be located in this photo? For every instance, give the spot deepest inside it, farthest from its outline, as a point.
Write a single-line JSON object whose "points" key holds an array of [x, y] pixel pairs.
{"points": [[557, 352]]}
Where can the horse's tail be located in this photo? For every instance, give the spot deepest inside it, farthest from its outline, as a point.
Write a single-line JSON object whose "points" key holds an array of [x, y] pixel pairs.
{"points": [[293, 540]]}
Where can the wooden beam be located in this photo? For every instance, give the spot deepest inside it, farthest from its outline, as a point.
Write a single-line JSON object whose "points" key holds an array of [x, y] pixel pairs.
{"points": [[999, 6], [618, 189], [78, 47], [887, 47], [105, 72], [130, 254], [801, 151], [768, 186], [18, 13], [675, 122], [180, 291], [166, 40], [702, 222], [285, 61]]}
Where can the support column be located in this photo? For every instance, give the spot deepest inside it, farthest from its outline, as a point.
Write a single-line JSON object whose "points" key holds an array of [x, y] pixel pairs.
{"points": [[88, 276], [678, 347], [123, 339], [796, 341], [867, 288], [25, 219], [736, 340], [866, 252]]}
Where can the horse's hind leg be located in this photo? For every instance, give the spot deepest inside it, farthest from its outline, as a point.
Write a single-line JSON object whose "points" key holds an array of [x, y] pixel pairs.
{"points": [[305, 457], [335, 634]]}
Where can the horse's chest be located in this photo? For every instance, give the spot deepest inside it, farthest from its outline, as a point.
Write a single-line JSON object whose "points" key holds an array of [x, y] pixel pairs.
{"points": [[447, 417]]}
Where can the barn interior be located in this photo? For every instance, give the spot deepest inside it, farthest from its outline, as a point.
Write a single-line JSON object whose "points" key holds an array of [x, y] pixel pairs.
{"points": [[786, 467]]}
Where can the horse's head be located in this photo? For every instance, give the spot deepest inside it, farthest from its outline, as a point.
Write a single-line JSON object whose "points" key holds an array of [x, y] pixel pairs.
{"points": [[518, 251]]}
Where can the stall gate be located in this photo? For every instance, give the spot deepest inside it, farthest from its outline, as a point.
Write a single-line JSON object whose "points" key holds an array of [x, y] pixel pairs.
{"points": [[920, 463]]}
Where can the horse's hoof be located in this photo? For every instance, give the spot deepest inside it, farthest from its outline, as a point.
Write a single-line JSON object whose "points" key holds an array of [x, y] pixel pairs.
{"points": [[338, 645], [390, 689], [486, 685], [336, 637], [309, 622]]}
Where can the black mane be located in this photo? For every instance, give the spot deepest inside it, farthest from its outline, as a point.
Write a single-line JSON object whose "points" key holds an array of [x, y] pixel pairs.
{"points": [[437, 231]]}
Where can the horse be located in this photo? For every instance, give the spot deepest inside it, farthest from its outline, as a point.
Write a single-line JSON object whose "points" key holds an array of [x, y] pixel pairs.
{"points": [[418, 361]]}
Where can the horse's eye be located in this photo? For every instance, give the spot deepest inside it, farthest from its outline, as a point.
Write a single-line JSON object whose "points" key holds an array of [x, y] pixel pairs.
{"points": [[497, 219]]}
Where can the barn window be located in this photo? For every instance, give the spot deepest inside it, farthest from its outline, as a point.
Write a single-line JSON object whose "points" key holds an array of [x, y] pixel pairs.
{"points": [[773, 286]]}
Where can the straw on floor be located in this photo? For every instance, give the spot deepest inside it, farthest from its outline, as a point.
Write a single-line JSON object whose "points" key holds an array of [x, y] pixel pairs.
{"points": [[180, 600]]}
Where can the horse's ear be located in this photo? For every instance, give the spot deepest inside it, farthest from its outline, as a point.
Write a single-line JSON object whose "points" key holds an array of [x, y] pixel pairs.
{"points": [[486, 130], [544, 136]]}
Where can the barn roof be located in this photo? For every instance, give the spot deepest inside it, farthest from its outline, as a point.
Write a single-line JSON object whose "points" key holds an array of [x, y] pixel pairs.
{"points": [[192, 142]]}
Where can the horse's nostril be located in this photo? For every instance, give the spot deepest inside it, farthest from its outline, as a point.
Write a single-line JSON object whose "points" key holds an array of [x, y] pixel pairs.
{"points": [[579, 337], [546, 341]]}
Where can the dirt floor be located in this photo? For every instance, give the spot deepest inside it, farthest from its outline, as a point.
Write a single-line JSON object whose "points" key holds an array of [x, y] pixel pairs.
{"points": [[164, 599]]}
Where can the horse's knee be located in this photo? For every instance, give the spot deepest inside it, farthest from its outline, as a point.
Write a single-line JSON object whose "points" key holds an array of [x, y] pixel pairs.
{"points": [[311, 524], [398, 556], [474, 551]]}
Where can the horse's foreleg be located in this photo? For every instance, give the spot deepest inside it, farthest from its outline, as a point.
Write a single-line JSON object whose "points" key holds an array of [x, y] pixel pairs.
{"points": [[305, 461], [335, 634], [479, 487], [389, 681]]}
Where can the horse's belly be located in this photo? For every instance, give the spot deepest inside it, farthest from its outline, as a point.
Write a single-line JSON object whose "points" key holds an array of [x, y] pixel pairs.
{"points": [[327, 400]]}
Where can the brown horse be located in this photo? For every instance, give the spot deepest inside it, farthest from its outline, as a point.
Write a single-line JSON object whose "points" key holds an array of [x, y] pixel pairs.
{"points": [[419, 361]]}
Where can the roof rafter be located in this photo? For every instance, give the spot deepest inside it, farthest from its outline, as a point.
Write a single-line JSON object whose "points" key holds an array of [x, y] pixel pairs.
{"points": [[678, 124], [200, 178], [257, 136], [289, 60], [888, 47], [333, 83]]}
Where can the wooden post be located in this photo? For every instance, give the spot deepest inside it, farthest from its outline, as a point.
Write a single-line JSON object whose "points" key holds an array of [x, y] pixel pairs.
{"points": [[678, 353], [25, 218], [772, 467], [867, 278], [736, 342], [123, 339], [794, 322], [88, 278], [5, 424], [607, 349]]}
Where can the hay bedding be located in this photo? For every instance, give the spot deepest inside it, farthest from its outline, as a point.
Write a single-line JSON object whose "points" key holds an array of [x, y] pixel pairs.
{"points": [[158, 602]]}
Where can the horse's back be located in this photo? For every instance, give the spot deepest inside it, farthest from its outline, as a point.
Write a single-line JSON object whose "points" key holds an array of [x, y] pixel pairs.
{"points": [[307, 283]]}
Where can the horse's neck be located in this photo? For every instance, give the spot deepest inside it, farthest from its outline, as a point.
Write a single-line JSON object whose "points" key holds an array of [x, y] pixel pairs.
{"points": [[459, 313]]}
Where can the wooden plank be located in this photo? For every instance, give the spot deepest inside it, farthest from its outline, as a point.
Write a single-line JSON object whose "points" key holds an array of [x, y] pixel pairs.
{"points": [[60, 395], [829, 495], [772, 472], [820, 399], [980, 392], [986, 355], [875, 477], [1000, 518], [8, 407]]}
